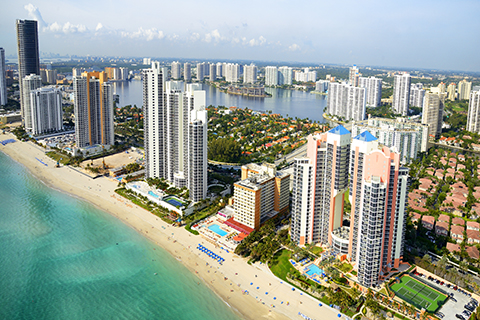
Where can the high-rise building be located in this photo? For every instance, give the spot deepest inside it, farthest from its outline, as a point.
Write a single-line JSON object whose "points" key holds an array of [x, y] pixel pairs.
{"points": [[93, 107], [28, 56], [373, 87], [285, 75], [213, 72], [441, 87], [200, 71], [408, 137], [321, 86], [220, 70], [271, 76], [416, 95], [250, 73], [176, 71], [432, 113], [232, 72], [46, 110], [175, 126], [346, 101], [353, 76], [464, 88], [29, 83], [378, 195], [319, 184], [473, 119], [187, 72], [452, 91], [3, 79], [401, 93]]}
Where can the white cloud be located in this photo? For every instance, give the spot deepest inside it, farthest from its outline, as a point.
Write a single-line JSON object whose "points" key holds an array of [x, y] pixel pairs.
{"points": [[214, 35], [35, 14], [194, 36], [55, 27], [147, 34], [294, 47], [99, 26], [257, 42]]}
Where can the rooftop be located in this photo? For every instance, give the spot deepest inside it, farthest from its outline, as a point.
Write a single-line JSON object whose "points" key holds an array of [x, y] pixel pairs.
{"points": [[365, 136], [340, 130]]}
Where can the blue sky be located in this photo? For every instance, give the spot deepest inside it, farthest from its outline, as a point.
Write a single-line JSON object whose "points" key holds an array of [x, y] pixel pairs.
{"points": [[412, 34]]}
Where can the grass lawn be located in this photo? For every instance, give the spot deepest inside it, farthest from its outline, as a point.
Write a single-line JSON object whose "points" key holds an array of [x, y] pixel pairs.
{"points": [[316, 250], [57, 156], [280, 265], [345, 267], [418, 294]]}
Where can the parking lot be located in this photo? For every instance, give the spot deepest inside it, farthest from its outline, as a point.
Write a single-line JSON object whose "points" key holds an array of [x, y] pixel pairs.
{"points": [[451, 308]]}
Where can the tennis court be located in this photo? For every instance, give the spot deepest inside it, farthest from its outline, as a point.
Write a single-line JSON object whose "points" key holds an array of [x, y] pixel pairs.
{"points": [[418, 294]]}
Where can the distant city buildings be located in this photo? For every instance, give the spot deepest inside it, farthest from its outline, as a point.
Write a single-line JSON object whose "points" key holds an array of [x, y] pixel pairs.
{"points": [[250, 73], [28, 56], [93, 107], [432, 113], [408, 137], [175, 124], [401, 93], [374, 239], [473, 119], [373, 87], [271, 76], [3, 79], [306, 76], [48, 76], [285, 76], [346, 102], [321, 86], [46, 110]]}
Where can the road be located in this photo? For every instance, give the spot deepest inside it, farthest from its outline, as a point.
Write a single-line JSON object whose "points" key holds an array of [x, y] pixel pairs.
{"points": [[297, 153]]}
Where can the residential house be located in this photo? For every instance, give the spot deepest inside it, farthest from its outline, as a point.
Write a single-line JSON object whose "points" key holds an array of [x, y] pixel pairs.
{"points": [[441, 228], [472, 225], [428, 222], [473, 236], [472, 252], [444, 218], [456, 232], [458, 221]]}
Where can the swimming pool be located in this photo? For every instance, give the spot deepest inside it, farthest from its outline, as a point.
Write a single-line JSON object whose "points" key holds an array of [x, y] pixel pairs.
{"points": [[313, 269], [215, 228], [153, 194], [174, 201]]}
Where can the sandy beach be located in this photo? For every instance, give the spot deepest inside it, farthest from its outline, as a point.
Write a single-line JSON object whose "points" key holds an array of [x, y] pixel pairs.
{"points": [[273, 299]]}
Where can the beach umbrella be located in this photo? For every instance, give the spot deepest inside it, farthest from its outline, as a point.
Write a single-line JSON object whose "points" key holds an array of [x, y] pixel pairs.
{"points": [[251, 283], [339, 315], [258, 287], [266, 292], [319, 304], [274, 298], [293, 289]]}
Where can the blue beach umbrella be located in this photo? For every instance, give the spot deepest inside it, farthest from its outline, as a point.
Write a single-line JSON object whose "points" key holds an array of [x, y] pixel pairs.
{"points": [[274, 298], [339, 315], [258, 287], [251, 283], [266, 292], [319, 304]]}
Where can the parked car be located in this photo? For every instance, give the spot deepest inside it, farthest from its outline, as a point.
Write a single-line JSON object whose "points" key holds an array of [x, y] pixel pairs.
{"points": [[459, 316]]}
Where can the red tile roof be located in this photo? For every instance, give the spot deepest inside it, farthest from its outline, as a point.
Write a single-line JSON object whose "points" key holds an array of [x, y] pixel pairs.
{"points": [[444, 218], [458, 221], [452, 247], [472, 252]]}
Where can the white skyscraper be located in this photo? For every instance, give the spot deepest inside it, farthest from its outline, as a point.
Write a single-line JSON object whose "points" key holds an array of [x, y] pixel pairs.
{"points": [[213, 72], [285, 75], [432, 113], [473, 119], [46, 110], [464, 88], [416, 95], [373, 87], [232, 72], [175, 126], [220, 70], [346, 101], [187, 71], [322, 86], [30, 82], [401, 93], [271, 76], [353, 76], [250, 73], [200, 71], [3, 79], [176, 71], [93, 107]]}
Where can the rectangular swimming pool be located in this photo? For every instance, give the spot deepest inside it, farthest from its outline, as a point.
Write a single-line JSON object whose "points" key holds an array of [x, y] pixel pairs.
{"points": [[313, 269], [153, 194], [215, 228]]}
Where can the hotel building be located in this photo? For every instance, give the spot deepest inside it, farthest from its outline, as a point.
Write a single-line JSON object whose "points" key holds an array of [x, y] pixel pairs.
{"points": [[401, 93], [93, 107], [29, 83], [46, 110]]}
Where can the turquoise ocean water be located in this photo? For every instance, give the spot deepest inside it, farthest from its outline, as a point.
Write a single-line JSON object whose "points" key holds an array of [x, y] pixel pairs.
{"points": [[59, 259]]}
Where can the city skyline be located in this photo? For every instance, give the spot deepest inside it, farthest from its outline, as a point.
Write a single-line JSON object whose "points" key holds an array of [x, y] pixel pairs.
{"points": [[191, 31]]}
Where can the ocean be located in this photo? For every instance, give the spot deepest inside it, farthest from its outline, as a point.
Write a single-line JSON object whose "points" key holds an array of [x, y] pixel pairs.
{"points": [[62, 258]]}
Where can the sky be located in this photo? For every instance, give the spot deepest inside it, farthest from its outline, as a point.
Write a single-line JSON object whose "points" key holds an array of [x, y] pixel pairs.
{"points": [[430, 34]]}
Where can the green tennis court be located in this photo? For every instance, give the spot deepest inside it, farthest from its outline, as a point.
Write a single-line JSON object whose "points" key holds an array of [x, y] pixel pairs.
{"points": [[418, 294]]}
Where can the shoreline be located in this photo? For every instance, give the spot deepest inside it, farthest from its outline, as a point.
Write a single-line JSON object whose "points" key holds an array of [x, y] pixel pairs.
{"points": [[227, 281]]}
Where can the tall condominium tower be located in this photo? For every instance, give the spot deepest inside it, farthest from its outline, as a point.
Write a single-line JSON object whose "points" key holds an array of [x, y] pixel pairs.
{"points": [[232, 72], [322, 86], [373, 87], [3, 79], [319, 184], [29, 83], [187, 71], [346, 101], [401, 93], [219, 70], [452, 91], [200, 71], [354, 76], [46, 110], [378, 194], [473, 119], [416, 95], [93, 109], [285, 75], [432, 113], [175, 126], [441, 87], [464, 88], [271, 76], [176, 71], [213, 72], [28, 57], [250, 74]]}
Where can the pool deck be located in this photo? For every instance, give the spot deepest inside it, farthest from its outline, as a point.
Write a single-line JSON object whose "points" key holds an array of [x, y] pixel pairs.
{"points": [[304, 267], [213, 237]]}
